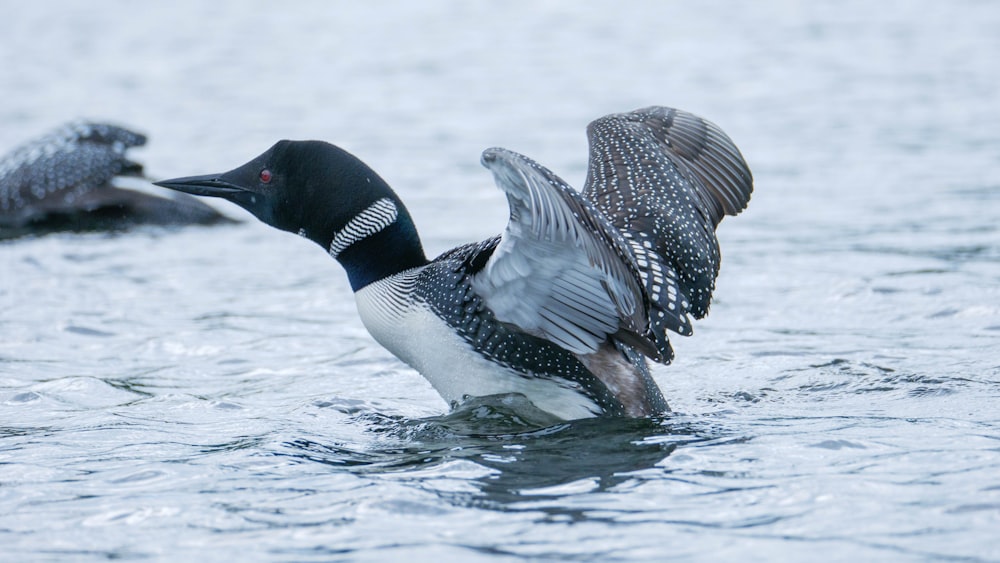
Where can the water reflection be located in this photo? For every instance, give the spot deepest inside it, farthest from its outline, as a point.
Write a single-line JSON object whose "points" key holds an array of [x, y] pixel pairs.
{"points": [[525, 454]]}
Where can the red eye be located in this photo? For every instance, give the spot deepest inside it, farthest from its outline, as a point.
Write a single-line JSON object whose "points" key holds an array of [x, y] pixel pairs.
{"points": [[265, 176]]}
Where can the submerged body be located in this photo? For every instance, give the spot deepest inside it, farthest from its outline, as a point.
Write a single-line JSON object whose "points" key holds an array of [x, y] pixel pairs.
{"points": [[63, 181], [565, 306]]}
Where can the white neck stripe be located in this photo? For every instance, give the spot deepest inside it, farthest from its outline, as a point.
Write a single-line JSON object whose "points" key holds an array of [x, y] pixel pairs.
{"points": [[375, 218]]}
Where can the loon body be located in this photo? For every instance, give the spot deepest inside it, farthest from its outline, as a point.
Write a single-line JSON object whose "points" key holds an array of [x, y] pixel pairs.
{"points": [[63, 182], [567, 303]]}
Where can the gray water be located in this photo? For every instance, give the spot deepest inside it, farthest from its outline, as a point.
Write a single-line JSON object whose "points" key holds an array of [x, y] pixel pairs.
{"points": [[209, 392]]}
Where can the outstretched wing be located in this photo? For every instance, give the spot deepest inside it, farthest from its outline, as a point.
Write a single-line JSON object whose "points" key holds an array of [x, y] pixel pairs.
{"points": [[560, 271], [636, 253], [665, 178]]}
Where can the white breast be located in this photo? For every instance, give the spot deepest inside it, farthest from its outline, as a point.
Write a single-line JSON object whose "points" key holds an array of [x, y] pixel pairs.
{"points": [[410, 330]]}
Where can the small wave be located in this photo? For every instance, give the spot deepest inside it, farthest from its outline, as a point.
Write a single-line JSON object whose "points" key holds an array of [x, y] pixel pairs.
{"points": [[851, 376], [522, 452]]}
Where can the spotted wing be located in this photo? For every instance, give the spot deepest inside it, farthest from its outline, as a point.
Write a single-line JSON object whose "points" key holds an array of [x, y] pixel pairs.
{"points": [[560, 271], [54, 171], [665, 178]]}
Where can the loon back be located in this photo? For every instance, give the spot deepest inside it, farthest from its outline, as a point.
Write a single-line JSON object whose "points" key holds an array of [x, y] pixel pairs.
{"points": [[63, 181], [564, 304]]}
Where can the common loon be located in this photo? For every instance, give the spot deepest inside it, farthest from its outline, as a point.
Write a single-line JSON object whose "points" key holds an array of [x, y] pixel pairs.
{"points": [[62, 181], [565, 305]]}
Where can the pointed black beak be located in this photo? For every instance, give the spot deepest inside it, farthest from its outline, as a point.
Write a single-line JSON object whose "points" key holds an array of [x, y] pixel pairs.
{"points": [[209, 185]]}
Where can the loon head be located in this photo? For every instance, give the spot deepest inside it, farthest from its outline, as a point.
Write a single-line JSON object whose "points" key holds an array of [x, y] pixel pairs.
{"points": [[327, 195], [294, 185]]}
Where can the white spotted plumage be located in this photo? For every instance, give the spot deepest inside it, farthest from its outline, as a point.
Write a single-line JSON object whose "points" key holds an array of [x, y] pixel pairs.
{"points": [[73, 159], [632, 256]]}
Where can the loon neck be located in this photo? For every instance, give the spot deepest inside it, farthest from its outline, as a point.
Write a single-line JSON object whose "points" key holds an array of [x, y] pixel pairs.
{"points": [[390, 251], [375, 242], [349, 210]]}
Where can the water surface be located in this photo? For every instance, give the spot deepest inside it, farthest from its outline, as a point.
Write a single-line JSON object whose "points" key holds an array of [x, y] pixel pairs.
{"points": [[210, 392]]}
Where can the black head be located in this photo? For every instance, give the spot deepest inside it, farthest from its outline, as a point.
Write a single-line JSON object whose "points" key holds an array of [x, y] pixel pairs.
{"points": [[295, 185], [315, 189]]}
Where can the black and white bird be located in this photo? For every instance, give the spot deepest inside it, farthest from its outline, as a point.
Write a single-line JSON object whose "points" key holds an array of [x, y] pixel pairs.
{"points": [[64, 181], [565, 306]]}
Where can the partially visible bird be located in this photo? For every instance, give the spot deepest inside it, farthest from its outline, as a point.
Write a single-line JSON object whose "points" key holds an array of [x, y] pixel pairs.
{"points": [[566, 304], [64, 181]]}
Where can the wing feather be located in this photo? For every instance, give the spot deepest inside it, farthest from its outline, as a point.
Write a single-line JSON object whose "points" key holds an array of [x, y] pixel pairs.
{"points": [[632, 256], [671, 176], [665, 178], [561, 271]]}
